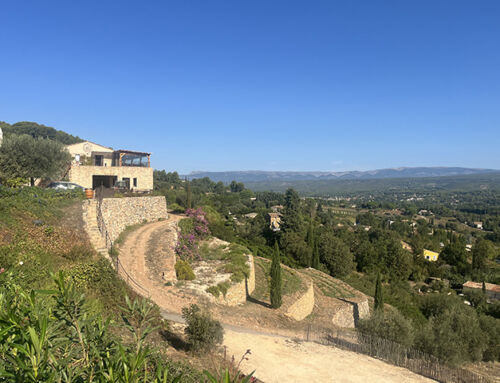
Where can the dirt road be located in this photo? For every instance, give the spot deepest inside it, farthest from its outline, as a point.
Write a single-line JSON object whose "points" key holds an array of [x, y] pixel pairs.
{"points": [[274, 358]]}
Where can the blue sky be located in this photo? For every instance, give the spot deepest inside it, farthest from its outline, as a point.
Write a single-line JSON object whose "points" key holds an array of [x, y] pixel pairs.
{"points": [[268, 85]]}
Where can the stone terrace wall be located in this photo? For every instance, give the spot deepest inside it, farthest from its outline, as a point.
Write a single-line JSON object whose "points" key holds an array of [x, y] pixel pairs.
{"points": [[344, 316], [237, 293], [303, 306], [118, 213]]}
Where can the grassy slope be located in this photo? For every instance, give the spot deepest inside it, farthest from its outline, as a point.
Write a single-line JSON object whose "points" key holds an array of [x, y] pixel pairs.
{"points": [[43, 230]]}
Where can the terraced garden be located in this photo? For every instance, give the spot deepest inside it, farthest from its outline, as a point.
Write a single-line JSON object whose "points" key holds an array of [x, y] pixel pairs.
{"points": [[330, 286], [292, 282]]}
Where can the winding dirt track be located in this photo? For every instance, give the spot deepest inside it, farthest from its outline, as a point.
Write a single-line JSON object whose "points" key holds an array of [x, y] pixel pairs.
{"points": [[274, 358]]}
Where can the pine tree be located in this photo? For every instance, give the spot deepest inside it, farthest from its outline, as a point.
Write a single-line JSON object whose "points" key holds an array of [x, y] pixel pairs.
{"points": [[379, 299], [276, 278], [188, 194]]}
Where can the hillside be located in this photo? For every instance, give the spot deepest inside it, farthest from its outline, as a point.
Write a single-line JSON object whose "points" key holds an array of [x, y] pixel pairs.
{"points": [[63, 309], [38, 130], [464, 183], [289, 176]]}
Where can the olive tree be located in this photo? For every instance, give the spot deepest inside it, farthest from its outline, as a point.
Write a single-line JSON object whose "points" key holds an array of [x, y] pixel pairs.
{"points": [[27, 157]]}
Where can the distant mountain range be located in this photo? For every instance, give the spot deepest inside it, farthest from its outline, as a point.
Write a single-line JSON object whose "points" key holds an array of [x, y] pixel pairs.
{"points": [[262, 176]]}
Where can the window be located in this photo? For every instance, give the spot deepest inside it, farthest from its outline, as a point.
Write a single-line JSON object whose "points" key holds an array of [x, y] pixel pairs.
{"points": [[135, 182], [99, 160]]}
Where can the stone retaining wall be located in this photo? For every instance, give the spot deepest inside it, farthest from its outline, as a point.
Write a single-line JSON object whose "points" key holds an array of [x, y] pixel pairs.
{"points": [[344, 316], [351, 312], [303, 306], [118, 213], [238, 292]]}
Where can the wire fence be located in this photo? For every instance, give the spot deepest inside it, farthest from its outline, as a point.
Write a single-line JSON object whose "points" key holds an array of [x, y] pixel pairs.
{"points": [[130, 281], [393, 353]]}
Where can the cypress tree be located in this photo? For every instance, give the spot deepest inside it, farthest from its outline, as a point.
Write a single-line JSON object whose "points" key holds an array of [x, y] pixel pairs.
{"points": [[188, 196], [379, 299], [276, 278], [310, 243], [315, 259]]}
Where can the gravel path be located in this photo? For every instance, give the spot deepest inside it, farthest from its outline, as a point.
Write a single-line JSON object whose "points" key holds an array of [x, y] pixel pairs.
{"points": [[274, 358]]}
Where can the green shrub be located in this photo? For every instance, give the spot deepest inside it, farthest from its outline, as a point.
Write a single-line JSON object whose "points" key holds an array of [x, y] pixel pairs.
{"points": [[55, 336], [202, 331], [184, 271], [390, 325], [186, 225], [176, 208], [79, 253], [454, 335], [214, 290]]}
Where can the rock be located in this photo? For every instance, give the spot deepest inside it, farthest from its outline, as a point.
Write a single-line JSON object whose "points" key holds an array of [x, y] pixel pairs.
{"points": [[37, 222]]}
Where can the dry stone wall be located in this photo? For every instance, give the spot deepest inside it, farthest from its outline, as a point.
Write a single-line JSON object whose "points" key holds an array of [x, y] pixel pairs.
{"points": [[238, 292], [344, 316], [303, 306], [118, 213]]}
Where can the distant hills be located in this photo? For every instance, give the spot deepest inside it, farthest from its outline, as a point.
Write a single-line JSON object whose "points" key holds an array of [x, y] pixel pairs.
{"points": [[251, 176]]}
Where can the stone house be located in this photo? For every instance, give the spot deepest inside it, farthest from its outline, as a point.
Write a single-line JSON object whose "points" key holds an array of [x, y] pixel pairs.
{"points": [[492, 290], [94, 165], [274, 221]]}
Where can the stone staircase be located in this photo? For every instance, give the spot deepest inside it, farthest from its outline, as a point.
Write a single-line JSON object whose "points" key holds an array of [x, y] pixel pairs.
{"points": [[90, 219]]}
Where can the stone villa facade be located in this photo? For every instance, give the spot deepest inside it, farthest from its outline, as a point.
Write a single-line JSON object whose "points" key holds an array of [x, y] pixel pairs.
{"points": [[94, 165]]}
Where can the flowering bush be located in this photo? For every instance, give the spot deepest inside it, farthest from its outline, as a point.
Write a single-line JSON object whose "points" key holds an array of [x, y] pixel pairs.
{"points": [[192, 230]]}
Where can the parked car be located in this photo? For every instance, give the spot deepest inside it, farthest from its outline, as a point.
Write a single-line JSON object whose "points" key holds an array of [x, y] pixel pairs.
{"points": [[64, 185]]}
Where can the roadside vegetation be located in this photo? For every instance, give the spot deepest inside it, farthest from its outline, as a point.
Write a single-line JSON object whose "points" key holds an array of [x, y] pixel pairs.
{"points": [[65, 315]]}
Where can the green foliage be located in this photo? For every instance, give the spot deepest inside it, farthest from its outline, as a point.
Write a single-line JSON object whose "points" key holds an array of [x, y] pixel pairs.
{"points": [[379, 298], [176, 208], [184, 271], [453, 335], [335, 255], [55, 336], [36, 202], [186, 225], [276, 283], [221, 288], [225, 377], [27, 157], [234, 257], [291, 220], [482, 251], [202, 331], [390, 325], [315, 259], [39, 131]]}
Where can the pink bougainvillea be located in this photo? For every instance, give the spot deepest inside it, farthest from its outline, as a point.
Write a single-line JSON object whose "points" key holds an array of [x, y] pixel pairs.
{"points": [[187, 243]]}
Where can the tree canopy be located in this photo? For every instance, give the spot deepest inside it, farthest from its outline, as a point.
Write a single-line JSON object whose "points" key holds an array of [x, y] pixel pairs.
{"points": [[38, 131], [27, 157]]}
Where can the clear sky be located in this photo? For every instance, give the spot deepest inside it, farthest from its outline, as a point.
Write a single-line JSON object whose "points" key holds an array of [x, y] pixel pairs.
{"points": [[267, 85]]}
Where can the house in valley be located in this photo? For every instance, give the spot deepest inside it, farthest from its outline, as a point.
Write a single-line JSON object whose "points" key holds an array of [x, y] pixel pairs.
{"points": [[274, 221], [94, 165], [492, 290], [431, 255]]}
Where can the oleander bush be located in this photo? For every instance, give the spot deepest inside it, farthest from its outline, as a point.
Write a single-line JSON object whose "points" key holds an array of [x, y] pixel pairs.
{"points": [[56, 336]]}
